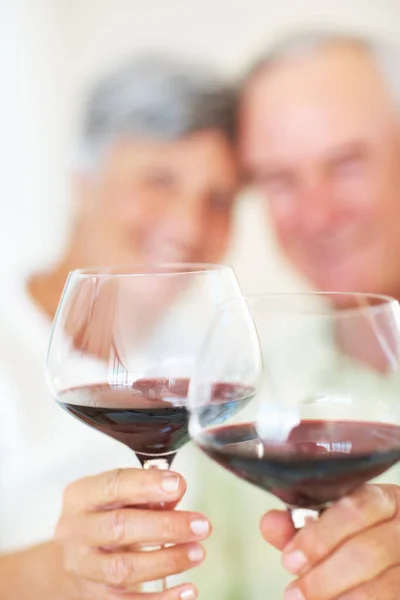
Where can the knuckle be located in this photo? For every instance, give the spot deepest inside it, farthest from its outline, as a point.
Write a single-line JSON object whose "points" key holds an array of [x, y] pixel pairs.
{"points": [[356, 505], [118, 570], [370, 501], [383, 500], [116, 529], [386, 499], [169, 526], [112, 485]]}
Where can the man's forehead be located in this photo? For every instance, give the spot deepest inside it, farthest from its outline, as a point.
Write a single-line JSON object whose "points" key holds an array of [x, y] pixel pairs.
{"points": [[332, 75]]}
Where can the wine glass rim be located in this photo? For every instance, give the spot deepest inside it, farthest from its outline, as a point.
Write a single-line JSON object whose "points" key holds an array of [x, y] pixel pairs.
{"points": [[386, 301], [153, 270]]}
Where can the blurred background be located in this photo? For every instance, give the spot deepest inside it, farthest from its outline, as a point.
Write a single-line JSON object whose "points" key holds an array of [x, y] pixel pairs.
{"points": [[53, 49]]}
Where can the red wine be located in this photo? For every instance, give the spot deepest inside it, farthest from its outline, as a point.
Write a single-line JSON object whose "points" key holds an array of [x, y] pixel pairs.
{"points": [[150, 416], [319, 462]]}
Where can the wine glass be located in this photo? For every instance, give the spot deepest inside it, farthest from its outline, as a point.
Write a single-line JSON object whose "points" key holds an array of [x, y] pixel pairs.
{"points": [[325, 414], [122, 350]]}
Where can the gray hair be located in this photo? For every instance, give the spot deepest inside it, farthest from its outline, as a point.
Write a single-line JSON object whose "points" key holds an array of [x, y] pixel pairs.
{"points": [[155, 98], [384, 53]]}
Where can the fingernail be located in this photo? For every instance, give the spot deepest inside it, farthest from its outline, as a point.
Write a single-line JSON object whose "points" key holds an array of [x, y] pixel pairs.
{"points": [[170, 483], [293, 594], [294, 562], [200, 527], [195, 554], [188, 595]]}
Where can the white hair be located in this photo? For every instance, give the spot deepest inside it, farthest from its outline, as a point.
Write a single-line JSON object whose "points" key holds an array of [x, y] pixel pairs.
{"points": [[384, 53], [154, 97]]}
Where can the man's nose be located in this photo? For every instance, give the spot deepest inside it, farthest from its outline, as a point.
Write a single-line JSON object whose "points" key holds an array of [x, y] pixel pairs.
{"points": [[317, 208]]}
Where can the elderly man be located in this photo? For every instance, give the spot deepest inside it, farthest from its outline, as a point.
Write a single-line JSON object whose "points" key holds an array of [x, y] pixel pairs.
{"points": [[320, 139]]}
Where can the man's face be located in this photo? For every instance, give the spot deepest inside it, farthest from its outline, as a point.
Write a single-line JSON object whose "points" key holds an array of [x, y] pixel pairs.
{"points": [[321, 142], [159, 202]]}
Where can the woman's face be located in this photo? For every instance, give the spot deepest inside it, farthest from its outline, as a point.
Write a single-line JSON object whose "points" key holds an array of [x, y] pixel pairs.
{"points": [[153, 202]]}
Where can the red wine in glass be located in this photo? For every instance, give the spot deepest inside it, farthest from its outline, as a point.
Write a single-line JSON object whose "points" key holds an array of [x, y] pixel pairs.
{"points": [[150, 415], [319, 462]]}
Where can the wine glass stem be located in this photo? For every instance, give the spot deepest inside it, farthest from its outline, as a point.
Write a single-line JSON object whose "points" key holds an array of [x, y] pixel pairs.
{"points": [[156, 463], [301, 516], [163, 465]]}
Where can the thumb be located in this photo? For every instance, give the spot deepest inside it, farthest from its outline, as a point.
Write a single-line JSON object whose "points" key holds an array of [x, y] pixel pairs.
{"points": [[277, 528]]}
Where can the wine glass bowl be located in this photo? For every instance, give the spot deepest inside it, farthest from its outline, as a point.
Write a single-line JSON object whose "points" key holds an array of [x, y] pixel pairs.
{"points": [[123, 345], [325, 413]]}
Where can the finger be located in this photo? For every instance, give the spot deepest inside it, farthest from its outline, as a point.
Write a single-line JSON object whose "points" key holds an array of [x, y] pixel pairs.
{"points": [[384, 587], [123, 487], [127, 569], [368, 506], [125, 527], [277, 528], [98, 591], [359, 560]]}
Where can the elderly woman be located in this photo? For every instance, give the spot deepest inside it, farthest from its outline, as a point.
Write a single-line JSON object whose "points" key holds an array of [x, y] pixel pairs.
{"points": [[156, 180]]}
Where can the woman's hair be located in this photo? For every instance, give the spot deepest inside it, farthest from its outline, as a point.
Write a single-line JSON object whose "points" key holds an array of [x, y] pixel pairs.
{"points": [[154, 98]]}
